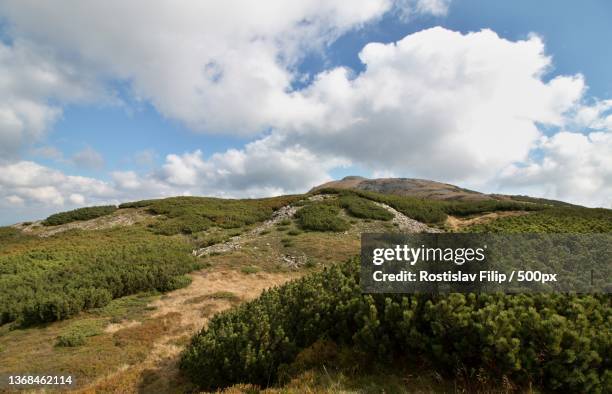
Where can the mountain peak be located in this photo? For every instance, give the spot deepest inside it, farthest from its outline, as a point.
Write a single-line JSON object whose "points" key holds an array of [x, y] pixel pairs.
{"points": [[412, 187]]}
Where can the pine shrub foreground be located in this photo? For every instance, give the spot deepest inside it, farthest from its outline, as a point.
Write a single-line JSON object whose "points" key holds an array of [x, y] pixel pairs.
{"points": [[79, 214], [189, 215], [43, 280], [558, 341], [434, 211], [321, 216]]}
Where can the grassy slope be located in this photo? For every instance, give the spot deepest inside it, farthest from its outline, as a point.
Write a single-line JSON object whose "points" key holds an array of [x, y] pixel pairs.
{"points": [[103, 352]]}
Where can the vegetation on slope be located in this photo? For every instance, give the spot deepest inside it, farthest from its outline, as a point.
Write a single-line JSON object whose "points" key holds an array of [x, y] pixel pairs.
{"points": [[54, 278], [321, 216], [559, 341], [188, 215], [570, 219], [435, 211], [362, 208], [79, 214]]}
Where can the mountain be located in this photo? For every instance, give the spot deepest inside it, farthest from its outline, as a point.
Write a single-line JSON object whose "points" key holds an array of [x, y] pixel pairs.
{"points": [[426, 189], [411, 187]]}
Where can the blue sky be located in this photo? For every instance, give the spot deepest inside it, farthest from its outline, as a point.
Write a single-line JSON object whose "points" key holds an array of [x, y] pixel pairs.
{"points": [[108, 112]]}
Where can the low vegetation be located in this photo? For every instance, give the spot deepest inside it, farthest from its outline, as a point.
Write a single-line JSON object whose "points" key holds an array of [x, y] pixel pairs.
{"points": [[321, 216], [429, 211], [79, 214], [559, 341], [71, 339], [188, 215], [568, 219], [50, 279], [362, 208]]}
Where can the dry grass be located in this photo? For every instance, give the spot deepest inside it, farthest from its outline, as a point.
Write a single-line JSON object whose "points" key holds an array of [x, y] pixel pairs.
{"points": [[455, 224]]}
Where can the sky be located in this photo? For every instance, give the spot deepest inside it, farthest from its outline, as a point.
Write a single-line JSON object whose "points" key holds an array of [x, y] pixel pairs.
{"points": [[104, 102]]}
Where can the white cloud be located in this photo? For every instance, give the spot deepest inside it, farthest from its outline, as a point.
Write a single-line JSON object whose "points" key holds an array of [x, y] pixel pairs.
{"points": [[215, 65], [77, 199], [33, 184], [462, 108], [15, 200], [145, 158], [48, 152], [88, 158], [30, 77], [264, 167], [438, 104], [574, 167], [408, 9]]}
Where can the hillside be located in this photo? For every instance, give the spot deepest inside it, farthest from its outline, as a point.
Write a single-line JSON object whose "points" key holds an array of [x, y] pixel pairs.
{"points": [[114, 295], [426, 189]]}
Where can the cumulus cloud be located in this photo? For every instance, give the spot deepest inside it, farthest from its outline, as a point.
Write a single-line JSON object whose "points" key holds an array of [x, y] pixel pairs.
{"points": [[438, 104], [215, 65], [576, 167], [408, 9], [30, 79], [88, 158], [32, 183], [264, 167], [462, 108]]}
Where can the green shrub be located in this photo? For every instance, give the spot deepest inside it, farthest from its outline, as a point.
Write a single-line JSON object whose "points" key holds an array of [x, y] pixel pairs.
{"points": [[225, 295], [10, 235], [79, 214], [559, 341], [190, 215], [250, 269], [429, 211], [552, 220], [294, 232], [71, 339], [361, 208], [321, 217], [48, 279]]}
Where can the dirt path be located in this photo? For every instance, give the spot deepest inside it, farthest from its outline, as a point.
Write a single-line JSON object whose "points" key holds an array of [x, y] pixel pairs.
{"points": [[234, 243], [404, 223], [455, 223], [186, 311]]}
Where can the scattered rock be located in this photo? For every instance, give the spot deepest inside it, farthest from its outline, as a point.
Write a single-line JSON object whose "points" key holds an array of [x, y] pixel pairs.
{"points": [[406, 224]]}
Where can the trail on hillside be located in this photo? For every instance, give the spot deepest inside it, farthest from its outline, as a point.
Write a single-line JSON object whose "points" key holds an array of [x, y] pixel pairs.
{"points": [[406, 224], [234, 243], [186, 311], [455, 223]]}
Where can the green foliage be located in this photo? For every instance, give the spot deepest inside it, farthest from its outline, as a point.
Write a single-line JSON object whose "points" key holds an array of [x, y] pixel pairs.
{"points": [[53, 278], [79, 214], [466, 208], [560, 341], [224, 295], [250, 269], [321, 216], [553, 220], [287, 242], [188, 215], [361, 208], [10, 235], [427, 211], [294, 232], [71, 339]]}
